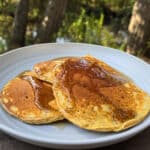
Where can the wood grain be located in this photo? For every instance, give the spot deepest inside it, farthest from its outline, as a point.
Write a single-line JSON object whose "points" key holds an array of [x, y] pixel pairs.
{"points": [[139, 142]]}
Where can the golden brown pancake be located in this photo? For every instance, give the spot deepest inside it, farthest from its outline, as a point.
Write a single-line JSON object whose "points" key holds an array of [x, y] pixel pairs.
{"points": [[94, 96], [30, 99], [43, 69]]}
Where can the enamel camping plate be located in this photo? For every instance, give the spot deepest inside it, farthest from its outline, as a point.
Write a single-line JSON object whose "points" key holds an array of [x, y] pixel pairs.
{"points": [[63, 134]]}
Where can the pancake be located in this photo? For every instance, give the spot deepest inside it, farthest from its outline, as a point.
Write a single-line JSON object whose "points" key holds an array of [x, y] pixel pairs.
{"points": [[43, 69], [94, 96], [30, 99]]}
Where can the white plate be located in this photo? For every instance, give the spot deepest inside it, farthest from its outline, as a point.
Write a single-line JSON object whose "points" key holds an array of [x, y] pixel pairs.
{"points": [[66, 135]]}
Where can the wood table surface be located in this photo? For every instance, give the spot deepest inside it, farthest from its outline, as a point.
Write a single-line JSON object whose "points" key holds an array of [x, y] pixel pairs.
{"points": [[138, 142]]}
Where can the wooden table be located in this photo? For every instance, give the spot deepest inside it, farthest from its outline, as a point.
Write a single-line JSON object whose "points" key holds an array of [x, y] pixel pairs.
{"points": [[139, 142]]}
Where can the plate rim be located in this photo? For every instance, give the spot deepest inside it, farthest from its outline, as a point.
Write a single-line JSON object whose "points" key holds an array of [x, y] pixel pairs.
{"points": [[121, 136], [72, 43]]}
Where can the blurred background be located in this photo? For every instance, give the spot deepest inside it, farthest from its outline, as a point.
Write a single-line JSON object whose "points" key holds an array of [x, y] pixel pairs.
{"points": [[120, 24]]}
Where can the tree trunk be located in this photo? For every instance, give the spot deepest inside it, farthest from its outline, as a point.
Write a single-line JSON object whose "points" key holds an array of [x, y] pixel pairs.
{"points": [[53, 17], [139, 28], [19, 25]]}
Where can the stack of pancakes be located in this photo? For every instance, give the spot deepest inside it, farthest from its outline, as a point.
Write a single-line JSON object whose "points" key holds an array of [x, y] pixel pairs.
{"points": [[84, 90]]}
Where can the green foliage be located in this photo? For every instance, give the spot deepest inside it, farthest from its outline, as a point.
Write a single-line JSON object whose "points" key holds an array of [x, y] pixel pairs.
{"points": [[34, 13], [90, 29], [118, 5], [148, 44], [8, 6], [7, 9], [3, 46], [89, 21], [86, 29], [97, 21]]}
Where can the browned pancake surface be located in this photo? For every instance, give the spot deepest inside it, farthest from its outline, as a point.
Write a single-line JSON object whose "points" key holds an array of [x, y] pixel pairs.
{"points": [[29, 99], [95, 96]]}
